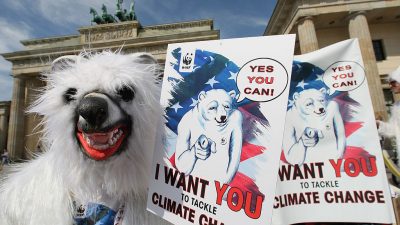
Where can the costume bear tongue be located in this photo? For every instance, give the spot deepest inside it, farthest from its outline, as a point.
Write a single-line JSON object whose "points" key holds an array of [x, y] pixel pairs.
{"points": [[99, 138], [100, 146]]}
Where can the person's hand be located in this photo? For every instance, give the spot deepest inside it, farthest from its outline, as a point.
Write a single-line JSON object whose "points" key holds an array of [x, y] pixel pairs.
{"points": [[377, 122]]}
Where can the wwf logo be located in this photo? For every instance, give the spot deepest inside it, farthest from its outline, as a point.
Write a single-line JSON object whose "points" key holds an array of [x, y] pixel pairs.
{"points": [[187, 60]]}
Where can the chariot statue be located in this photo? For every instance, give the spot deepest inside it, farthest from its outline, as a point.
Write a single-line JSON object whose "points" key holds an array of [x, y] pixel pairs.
{"points": [[132, 15], [96, 18], [120, 13], [108, 18]]}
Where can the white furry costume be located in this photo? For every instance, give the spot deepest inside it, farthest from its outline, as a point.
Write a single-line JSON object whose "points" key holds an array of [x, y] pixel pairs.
{"points": [[41, 192], [392, 127]]}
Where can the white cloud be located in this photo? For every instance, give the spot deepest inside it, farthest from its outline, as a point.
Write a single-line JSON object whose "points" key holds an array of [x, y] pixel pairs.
{"points": [[5, 66], [65, 12], [70, 12], [232, 24], [159, 11], [11, 34], [5, 84], [5, 80], [255, 21], [15, 5]]}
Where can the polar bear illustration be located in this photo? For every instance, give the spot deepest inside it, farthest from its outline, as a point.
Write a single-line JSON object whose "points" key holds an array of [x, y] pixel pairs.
{"points": [[209, 141], [314, 129]]}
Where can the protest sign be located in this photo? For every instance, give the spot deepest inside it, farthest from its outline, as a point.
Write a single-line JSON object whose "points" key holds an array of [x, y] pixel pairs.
{"points": [[225, 104], [331, 165]]}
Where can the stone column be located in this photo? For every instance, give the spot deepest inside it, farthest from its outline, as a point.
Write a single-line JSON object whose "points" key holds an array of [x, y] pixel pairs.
{"points": [[32, 128], [307, 35], [3, 131], [4, 115], [15, 142], [358, 28]]}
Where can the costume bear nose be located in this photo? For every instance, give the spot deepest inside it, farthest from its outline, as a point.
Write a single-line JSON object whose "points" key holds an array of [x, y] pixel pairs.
{"points": [[94, 110], [321, 110]]}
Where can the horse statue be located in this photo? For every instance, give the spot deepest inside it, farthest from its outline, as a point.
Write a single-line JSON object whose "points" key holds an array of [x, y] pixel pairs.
{"points": [[119, 13], [108, 18], [132, 15], [96, 18]]}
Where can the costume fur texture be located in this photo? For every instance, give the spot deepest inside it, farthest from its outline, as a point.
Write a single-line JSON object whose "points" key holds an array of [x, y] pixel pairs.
{"points": [[41, 191]]}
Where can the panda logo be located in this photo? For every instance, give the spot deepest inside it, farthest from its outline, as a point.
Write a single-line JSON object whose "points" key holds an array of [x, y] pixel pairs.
{"points": [[187, 59]]}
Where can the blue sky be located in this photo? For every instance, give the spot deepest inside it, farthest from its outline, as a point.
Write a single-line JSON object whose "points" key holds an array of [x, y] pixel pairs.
{"points": [[26, 19]]}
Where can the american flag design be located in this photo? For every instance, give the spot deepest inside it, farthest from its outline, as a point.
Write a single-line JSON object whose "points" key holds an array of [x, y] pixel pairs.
{"points": [[305, 76], [215, 71]]}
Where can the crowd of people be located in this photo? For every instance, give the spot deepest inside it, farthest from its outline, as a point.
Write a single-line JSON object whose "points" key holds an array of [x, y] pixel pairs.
{"points": [[4, 159], [391, 128]]}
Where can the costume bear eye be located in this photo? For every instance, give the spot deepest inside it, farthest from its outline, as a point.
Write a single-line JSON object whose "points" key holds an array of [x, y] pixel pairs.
{"points": [[212, 108], [69, 95], [126, 93], [226, 106]]}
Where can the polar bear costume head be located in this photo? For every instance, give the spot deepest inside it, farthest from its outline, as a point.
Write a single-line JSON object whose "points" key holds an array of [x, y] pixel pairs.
{"points": [[215, 106], [100, 112], [311, 102]]}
